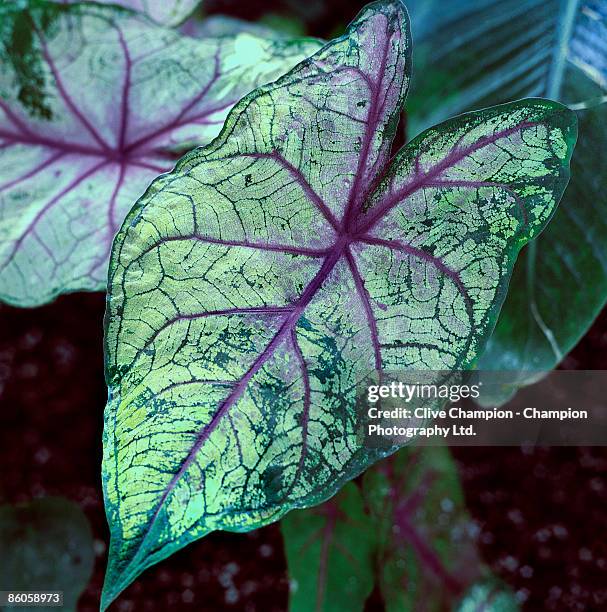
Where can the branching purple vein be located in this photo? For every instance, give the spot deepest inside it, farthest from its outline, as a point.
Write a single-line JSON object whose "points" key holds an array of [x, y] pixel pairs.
{"points": [[39, 168], [420, 180], [400, 514], [297, 174], [112, 225], [427, 555], [355, 197], [111, 222], [48, 205], [120, 154], [66, 147], [364, 297], [269, 310], [66, 97], [177, 121], [261, 246], [14, 118]]}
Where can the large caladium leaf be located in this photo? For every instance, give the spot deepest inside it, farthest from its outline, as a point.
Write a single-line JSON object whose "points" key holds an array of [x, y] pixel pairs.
{"points": [[256, 285], [480, 52], [329, 553], [96, 102], [164, 12]]}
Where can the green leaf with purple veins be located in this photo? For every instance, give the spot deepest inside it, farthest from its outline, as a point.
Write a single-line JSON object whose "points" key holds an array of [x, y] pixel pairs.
{"points": [[95, 102], [426, 542], [254, 287], [404, 529]]}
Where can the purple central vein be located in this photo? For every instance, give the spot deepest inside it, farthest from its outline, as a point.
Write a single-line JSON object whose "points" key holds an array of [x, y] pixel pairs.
{"points": [[284, 332], [356, 195], [421, 180], [428, 556]]}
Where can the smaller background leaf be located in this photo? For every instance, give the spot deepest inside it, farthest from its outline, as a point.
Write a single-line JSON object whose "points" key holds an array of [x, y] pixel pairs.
{"points": [[329, 554], [46, 544], [427, 546], [410, 518]]}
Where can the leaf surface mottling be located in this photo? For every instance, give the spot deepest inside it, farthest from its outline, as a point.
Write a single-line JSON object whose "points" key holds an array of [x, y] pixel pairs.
{"points": [[253, 288]]}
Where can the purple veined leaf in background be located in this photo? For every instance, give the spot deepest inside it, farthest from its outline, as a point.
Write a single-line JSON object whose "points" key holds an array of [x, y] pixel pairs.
{"points": [[95, 102], [404, 529], [254, 288], [164, 12], [426, 542], [330, 554]]}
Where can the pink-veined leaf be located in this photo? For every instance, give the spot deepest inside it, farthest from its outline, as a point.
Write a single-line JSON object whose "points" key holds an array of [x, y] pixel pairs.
{"points": [[95, 102], [404, 529]]}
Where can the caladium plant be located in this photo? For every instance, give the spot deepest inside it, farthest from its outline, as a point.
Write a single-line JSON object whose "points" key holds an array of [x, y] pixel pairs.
{"points": [[95, 102], [253, 288]]}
